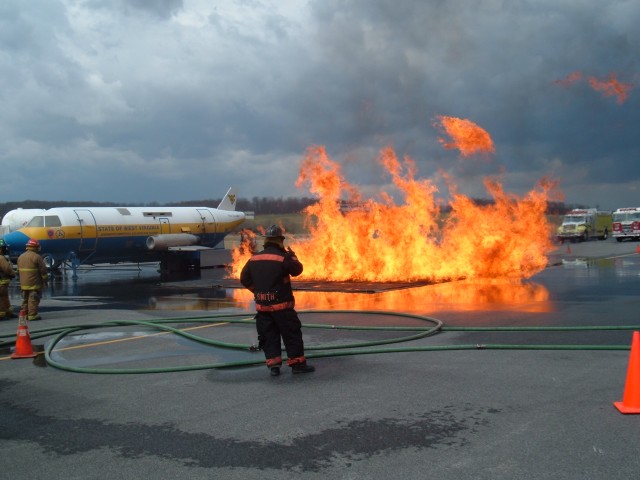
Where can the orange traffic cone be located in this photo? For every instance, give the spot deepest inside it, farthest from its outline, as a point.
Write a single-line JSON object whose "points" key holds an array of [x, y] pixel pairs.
{"points": [[638, 249], [631, 399], [24, 349]]}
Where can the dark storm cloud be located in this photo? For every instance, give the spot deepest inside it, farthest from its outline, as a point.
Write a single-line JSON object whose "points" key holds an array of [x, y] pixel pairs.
{"points": [[194, 96], [162, 9], [493, 62]]}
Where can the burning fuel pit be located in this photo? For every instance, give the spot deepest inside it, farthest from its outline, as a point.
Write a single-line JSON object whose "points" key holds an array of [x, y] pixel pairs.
{"points": [[461, 295], [345, 287]]}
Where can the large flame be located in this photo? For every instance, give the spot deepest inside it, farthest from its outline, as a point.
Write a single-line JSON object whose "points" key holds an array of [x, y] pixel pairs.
{"points": [[465, 135], [381, 241]]}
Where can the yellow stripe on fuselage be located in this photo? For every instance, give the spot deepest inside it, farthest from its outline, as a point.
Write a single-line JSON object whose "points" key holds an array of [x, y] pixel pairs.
{"points": [[123, 230]]}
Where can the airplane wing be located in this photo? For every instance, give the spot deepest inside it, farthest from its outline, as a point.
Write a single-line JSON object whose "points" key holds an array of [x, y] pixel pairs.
{"points": [[229, 200]]}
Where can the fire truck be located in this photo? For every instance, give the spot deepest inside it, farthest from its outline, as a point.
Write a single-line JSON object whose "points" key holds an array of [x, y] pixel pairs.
{"points": [[579, 225], [626, 223]]}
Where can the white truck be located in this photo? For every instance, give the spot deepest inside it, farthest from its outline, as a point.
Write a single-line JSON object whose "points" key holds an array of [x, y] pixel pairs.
{"points": [[579, 225], [626, 223]]}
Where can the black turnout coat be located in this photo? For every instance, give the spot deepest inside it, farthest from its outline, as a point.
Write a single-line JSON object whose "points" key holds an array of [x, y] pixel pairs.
{"points": [[268, 275]]}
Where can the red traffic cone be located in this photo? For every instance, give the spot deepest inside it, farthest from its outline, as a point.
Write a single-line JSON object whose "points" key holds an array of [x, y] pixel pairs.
{"points": [[631, 399], [638, 249], [24, 349], [568, 249]]}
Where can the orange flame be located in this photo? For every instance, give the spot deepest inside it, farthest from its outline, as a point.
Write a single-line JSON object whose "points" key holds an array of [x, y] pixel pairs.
{"points": [[570, 79], [385, 242], [466, 136], [611, 87], [467, 295]]}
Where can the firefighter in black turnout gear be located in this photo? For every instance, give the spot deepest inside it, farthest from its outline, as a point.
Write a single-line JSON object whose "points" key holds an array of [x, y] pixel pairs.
{"points": [[268, 275]]}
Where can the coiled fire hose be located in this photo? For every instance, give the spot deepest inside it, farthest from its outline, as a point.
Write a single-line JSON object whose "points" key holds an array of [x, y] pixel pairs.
{"points": [[311, 351]]}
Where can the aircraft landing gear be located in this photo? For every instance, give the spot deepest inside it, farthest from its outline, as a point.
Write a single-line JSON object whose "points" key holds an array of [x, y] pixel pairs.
{"points": [[75, 263]]}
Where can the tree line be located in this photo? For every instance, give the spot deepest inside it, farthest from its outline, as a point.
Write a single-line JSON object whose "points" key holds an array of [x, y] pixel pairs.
{"points": [[258, 205]]}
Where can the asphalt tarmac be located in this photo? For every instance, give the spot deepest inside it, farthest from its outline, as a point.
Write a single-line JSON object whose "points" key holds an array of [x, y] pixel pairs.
{"points": [[523, 403]]}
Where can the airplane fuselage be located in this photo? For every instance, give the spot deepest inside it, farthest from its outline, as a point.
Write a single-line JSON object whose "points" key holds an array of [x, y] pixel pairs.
{"points": [[122, 234]]}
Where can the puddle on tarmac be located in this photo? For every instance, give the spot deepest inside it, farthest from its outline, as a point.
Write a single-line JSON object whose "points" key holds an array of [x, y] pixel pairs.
{"points": [[140, 288]]}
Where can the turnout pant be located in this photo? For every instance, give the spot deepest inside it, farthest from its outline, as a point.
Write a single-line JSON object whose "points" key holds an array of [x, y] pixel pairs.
{"points": [[30, 302], [5, 303], [272, 326]]}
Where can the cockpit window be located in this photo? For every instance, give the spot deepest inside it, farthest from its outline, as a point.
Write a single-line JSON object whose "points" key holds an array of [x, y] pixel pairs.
{"points": [[52, 221], [37, 221], [42, 221]]}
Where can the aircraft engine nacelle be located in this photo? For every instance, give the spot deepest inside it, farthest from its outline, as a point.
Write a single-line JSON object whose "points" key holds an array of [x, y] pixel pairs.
{"points": [[163, 242]]}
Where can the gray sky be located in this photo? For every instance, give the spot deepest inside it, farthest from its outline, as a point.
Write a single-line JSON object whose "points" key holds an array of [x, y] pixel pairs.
{"points": [[168, 100]]}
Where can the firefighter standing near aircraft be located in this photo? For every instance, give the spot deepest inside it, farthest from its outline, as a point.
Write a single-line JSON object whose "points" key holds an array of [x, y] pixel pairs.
{"points": [[33, 278], [268, 275], [6, 274]]}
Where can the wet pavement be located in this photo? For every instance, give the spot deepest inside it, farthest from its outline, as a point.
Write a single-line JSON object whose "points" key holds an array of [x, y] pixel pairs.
{"points": [[473, 401]]}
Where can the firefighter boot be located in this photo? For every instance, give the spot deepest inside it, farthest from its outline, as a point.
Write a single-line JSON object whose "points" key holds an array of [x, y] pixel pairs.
{"points": [[302, 368], [275, 371]]}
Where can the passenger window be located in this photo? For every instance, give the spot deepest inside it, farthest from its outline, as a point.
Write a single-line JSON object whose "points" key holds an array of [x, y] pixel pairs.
{"points": [[37, 221], [52, 221]]}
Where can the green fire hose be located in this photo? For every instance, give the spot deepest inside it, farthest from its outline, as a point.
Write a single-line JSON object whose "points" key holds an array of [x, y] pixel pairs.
{"points": [[408, 333]]}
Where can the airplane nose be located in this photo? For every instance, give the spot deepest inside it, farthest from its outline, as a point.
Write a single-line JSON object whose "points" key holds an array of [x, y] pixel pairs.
{"points": [[16, 241]]}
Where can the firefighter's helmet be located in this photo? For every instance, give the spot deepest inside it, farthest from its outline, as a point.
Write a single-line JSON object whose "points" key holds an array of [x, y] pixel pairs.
{"points": [[33, 243], [274, 231]]}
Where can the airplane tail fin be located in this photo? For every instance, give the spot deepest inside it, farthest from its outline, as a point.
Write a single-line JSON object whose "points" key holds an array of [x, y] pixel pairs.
{"points": [[229, 200]]}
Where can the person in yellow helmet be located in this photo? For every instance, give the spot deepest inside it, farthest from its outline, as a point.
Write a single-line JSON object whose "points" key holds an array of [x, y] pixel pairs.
{"points": [[6, 274], [33, 278]]}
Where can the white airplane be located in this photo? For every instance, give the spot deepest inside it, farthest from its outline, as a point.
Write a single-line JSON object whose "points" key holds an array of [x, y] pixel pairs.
{"points": [[90, 235]]}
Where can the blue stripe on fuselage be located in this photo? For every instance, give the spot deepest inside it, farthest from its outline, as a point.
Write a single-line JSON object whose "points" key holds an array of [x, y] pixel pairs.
{"points": [[105, 249]]}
